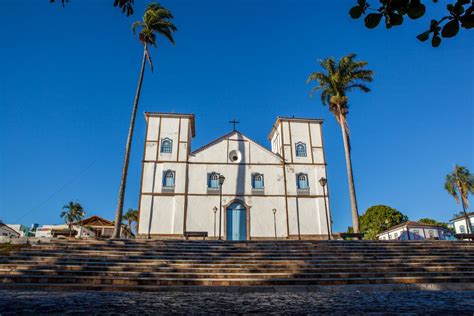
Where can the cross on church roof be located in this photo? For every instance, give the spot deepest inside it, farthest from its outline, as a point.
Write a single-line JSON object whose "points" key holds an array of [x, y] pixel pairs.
{"points": [[233, 122]]}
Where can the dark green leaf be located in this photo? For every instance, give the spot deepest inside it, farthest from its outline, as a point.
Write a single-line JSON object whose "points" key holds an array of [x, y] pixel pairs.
{"points": [[458, 9], [356, 12], [424, 36], [416, 10], [372, 20], [435, 41], [396, 19], [467, 21], [434, 26], [450, 29], [399, 4]]}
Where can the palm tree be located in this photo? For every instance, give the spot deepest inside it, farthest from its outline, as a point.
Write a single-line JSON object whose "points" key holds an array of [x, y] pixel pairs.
{"points": [[334, 83], [459, 184], [156, 19], [71, 213], [131, 216]]}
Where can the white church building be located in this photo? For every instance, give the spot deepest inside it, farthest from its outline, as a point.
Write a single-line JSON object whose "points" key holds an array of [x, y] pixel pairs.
{"points": [[265, 193]]}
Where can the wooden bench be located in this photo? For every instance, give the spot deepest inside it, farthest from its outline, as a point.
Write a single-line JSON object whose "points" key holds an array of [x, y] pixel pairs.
{"points": [[465, 236], [195, 234], [345, 236]]}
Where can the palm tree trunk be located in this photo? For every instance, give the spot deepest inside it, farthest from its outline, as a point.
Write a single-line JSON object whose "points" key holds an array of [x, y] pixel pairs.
{"points": [[466, 217], [350, 177], [128, 147]]}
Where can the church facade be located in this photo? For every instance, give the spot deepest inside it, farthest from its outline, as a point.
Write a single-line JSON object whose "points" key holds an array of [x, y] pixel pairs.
{"points": [[264, 193]]}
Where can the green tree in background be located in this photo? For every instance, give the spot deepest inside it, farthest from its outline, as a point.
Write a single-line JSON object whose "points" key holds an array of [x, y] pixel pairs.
{"points": [[334, 82], [379, 218], [156, 20], [431, 221], [459, 184], [131, 216], [71, 213]]}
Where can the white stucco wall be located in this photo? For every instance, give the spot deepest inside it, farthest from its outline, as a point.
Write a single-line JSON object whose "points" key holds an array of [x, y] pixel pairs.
{"points": [[415, 233], [462, 222], [167, 209]]}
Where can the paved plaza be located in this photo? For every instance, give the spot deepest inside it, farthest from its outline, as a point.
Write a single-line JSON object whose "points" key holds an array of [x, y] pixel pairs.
{"points": [[14, 302]]}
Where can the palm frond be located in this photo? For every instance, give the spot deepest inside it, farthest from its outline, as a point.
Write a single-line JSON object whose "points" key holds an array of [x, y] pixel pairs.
{"points": [[358, 86], [363, 75], [336, 80], [156, 19], [135, 25]]}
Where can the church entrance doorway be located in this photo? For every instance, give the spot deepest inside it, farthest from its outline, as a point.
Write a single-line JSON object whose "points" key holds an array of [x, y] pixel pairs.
{"points": [[236, 222]]}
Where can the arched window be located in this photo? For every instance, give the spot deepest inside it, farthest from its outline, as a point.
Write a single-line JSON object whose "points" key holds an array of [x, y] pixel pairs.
{"points": [[462, 229], [300, 149], [166, 145], [168, 179], [257, 181], [213, 180], [395, 236], [302, 181]]}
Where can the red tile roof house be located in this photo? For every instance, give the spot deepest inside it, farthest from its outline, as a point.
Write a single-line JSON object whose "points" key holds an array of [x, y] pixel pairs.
{"points": [[7, 231], [104, 228]]}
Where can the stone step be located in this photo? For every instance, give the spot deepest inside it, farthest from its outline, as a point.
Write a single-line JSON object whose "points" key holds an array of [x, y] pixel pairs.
{"points": [[251, 251], [191, 261], [275, 245], [233, 266], [216, 255], [102, 264], [120, 251], [234, 275], [229, 281], [244, 267], [247, 249], [87, 260]]}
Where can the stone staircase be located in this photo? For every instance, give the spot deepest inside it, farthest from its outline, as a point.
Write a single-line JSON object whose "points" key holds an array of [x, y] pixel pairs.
{"points": [[163, 265]]}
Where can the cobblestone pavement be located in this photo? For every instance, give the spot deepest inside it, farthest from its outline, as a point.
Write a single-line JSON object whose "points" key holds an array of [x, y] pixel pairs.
{"points": [[14, 302]]}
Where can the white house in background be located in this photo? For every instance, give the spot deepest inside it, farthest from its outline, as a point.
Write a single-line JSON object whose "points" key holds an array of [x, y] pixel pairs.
{"points": [[459, 223], [48, 231], [21, 229], [180, 188], [416, 231], [7, 231]]}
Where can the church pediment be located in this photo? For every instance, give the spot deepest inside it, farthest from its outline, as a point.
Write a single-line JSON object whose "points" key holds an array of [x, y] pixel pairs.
{"points": [[234, 145]]}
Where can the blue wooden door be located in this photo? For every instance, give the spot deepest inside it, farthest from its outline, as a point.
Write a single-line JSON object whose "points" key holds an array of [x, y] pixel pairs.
{"points": [[236, 222]]}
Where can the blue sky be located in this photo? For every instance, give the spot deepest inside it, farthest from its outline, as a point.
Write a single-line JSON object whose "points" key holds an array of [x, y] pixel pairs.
{"points": [[68, 78]]}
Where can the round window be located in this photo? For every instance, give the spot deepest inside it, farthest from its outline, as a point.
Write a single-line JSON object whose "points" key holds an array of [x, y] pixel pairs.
{"points": [[235, 156]]}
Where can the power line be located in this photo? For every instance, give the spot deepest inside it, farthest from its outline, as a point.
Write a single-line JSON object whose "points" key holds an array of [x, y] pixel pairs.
{"points": [[57, 191]]}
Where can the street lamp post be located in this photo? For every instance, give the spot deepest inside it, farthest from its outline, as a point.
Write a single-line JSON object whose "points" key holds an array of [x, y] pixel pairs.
{"points": [[274, 222], [215, 211], [323, 181], [221, 182]]}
